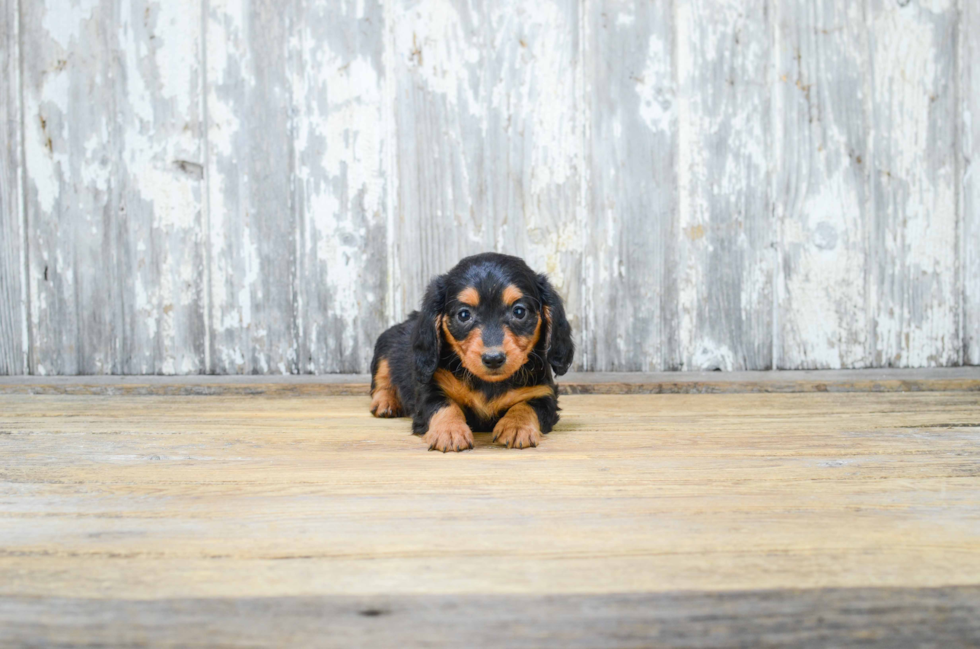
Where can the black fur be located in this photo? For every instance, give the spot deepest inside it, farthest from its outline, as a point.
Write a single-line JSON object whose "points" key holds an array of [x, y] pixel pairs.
{"points": [[415, 348], [558, 338], [426, 337]]}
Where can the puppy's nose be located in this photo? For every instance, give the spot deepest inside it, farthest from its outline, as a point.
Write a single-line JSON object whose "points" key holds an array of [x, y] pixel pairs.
{"points": [[493, 360]]}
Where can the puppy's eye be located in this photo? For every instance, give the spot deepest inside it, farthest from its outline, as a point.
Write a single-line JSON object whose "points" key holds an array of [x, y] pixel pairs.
{"points": [[463, 315], [519, 312]]}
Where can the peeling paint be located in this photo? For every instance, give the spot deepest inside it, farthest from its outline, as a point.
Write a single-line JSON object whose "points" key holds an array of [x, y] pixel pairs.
{"points": [[915, 300], [711, 185], [724, 280]]}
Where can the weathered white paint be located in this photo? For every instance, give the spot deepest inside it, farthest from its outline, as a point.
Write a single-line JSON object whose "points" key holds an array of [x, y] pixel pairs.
{"points": [[633, 197], [721, 255], [914, 290], [13, 295], [822, 162], [253, 222], [489, 139], [261, 186], [113, 148], [162, 158], [968, 37], [340, 191]]}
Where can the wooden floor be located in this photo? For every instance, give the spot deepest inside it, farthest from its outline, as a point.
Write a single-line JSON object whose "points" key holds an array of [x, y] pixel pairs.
{"points": [[643, 520]]}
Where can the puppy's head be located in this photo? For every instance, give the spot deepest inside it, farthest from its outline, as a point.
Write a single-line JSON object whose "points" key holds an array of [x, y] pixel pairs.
{"points": [[493, 312]]}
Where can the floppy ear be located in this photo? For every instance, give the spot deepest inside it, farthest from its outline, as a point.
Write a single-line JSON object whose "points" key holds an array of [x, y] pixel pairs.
{"points": [[558, 335], [426, 337]]}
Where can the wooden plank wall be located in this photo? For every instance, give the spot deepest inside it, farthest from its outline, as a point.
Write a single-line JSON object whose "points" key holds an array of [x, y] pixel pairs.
{"points": [[13, 299], [261, 186], [113, 134], [968, 78]]}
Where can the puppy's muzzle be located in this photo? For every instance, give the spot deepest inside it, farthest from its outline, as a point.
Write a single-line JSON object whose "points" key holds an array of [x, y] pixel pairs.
{"points": [[494, 359]]}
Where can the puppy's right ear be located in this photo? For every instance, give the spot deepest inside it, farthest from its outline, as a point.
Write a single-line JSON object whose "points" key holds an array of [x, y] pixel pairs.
{"points": [[427, 337]]}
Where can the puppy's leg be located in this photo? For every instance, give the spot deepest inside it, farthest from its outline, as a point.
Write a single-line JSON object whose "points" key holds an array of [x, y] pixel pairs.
{"points": [[384, 394], [448, 430], [519, 428]]}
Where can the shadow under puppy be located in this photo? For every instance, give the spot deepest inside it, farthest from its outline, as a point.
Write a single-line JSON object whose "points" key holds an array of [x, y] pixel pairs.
{"points": [[477, 357]]}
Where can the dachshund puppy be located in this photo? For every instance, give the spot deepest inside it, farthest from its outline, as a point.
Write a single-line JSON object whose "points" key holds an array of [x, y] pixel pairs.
{"points": [[477, 357]]}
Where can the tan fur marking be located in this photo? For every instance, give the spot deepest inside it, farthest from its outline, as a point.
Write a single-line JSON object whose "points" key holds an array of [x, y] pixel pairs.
{"points": [[455, 389], [384, 396], [448, 430], [518, 348], [382, 378], [512, 294], [513, 397], [519, 428], [469, 296], [470, 351], [465, 396]]}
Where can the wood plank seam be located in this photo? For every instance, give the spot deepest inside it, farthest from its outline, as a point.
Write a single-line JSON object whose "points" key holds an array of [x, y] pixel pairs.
{"points": [[14, 342], [783, 382], [206, 202]]}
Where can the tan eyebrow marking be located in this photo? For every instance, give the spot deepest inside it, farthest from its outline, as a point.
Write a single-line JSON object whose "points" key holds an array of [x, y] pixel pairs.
{"points": [[469, 296], [512, 294]]}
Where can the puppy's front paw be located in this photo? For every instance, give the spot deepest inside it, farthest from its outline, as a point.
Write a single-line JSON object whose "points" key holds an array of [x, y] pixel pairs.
{"points": [[448, 431], [384, 403], [519, 428]]}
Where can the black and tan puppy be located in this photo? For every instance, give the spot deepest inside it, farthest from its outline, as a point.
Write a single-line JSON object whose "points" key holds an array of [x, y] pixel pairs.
{"points": [[477, 357]]}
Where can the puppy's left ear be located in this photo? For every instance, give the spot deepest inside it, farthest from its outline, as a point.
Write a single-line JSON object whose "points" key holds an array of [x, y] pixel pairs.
{"points": [[426, 337], [558, 335]]}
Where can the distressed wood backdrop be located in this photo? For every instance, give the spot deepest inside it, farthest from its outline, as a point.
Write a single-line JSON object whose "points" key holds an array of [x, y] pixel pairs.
{"points": [[252, 186]]}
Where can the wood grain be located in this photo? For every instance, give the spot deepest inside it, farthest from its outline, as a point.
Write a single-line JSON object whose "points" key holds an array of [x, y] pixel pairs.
{"points": [[822, 184], [123, 497], [114, 152], [629, 60], [868, 617], [721, 254], [341, 191], [914, 290], [13, 303], [254, 234], [489, 149], [613, 383], [298, 197], [249, 186], [968, 59], [202, 504]]}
